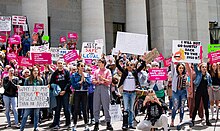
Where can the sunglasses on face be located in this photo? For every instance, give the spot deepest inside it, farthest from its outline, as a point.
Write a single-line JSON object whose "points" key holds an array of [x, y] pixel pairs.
{"points": [[129, 64]]}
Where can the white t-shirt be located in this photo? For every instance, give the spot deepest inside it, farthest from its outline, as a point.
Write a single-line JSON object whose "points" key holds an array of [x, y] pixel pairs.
{"points": [[129, 83]]}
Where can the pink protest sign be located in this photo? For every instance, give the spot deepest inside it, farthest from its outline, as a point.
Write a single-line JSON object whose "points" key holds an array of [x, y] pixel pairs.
{"points": [[2, 39], [214, 57], [94, 68], [6, 33], [159, 58], [18, 30], [167, 62], [72, 35], [11, 56], [70, 56], [38, 26], [24, 61], [62, 39], [157, 74], [13, 40], [17, 37], [41, 58], [35, 30], [88, 61], [42, 69]]}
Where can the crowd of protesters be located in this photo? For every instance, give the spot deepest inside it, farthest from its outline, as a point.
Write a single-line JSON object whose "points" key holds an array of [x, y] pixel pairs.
{"points": [[87, 90]]}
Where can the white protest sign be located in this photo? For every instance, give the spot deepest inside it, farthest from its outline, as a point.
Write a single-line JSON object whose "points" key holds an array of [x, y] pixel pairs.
{"points": [[91, 50], [41, 48], [63, 51], [131, 43], [33, 97], [5, 23], [18, 20], [25, 27], [55, 53], [186, 51], [115, 113], [115, 51]]}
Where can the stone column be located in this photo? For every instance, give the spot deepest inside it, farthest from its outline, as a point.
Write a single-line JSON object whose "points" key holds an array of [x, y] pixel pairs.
{"points": [[136, 17], [93, 21], [36, 12]]}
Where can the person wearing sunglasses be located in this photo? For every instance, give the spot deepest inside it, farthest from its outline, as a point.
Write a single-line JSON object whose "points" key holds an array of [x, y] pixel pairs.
{"points": [[202, 82], [130, 82]]}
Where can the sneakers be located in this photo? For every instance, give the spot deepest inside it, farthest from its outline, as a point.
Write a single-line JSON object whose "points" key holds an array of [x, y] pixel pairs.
{"points": [[7, 126], [36, 129], [124, 127], [17, 126], [132, 127], [96, 127], [56, 127], [208, 123], [109, 126]]}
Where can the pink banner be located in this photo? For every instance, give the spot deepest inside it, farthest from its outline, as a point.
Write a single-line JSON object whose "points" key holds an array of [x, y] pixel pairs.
{"points": [[214, 57], [41, 58], [167, 62], [24, 61], [157, 74], [159, 58], [13, 40], [62, 39], [88, 61], [70, 56], [38, 26], [2, 39], [11, 56], [72, 35], [18, 30]]}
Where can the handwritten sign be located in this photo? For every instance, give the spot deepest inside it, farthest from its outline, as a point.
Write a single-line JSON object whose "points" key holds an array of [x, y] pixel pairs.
{"points": [[19, 20], [41, 58], [71, 56], [24, 61], [115, 112], [55, 53], [214, 57], [5, 23], [167, 62], [62, 39], [131, 43], [72, 35], [152, 55], [157, 74], [42, 48], [91, 50], [38, 26], [213, 47], [186, 51], [33, 97]]}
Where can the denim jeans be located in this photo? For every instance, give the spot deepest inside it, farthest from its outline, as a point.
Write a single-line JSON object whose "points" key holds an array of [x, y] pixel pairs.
{"points": [[27, 112], [179, 98], [13, 101], [129, 99], [62, 101]]}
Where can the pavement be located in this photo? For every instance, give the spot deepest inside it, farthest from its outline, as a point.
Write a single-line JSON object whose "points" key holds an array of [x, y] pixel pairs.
{"points": [[199, 124]]}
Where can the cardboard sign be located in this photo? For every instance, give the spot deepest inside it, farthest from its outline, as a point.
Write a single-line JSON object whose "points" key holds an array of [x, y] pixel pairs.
{"points": [[157, 74], [55, 53], [91, 50], [11, 56], [42, 48], [5, 23], [213, 47], [62, 39], [38, 26], [33, 97], [19, 20], [72, 35], [18, 30], [159, 58], [2, 39], [167, 62], [13, 40], [152, 55], [214, 57], [24, 61], [186, 51], [131, 43], [41, 58], [71, 56]]}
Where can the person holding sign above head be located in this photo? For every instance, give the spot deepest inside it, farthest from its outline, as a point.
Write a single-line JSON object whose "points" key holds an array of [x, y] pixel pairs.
{"points": [[33, 80], [202, 82], [10, 83]]}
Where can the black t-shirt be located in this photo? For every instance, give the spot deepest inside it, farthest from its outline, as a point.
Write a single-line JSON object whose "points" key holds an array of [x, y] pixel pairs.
{"points": [[154, 111], [204, 83]]}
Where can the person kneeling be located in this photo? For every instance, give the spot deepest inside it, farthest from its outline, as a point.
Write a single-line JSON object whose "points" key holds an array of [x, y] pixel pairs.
{"points": [[154, 117]]}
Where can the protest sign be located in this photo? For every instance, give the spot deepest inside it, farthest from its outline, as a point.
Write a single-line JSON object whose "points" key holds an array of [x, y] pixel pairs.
{"points": [[11, 56], [55, 53], [157, 74], [13, 40], [62, 39], [70, 56], [42, 48], [18, 20], [24, 61], [5, 23], [115, 51], [115, 113], [38, 26], [213, 47], [2, 39], [214, 57], [91, 50], [62, 52], [18, 30], [5, 33], [41, 58], [25, 27], [88, 61], [186, 51], [131, 43], [72, 35], [33, 97], [152, 55], [167, 62], [45, 38], [159, 58]]}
